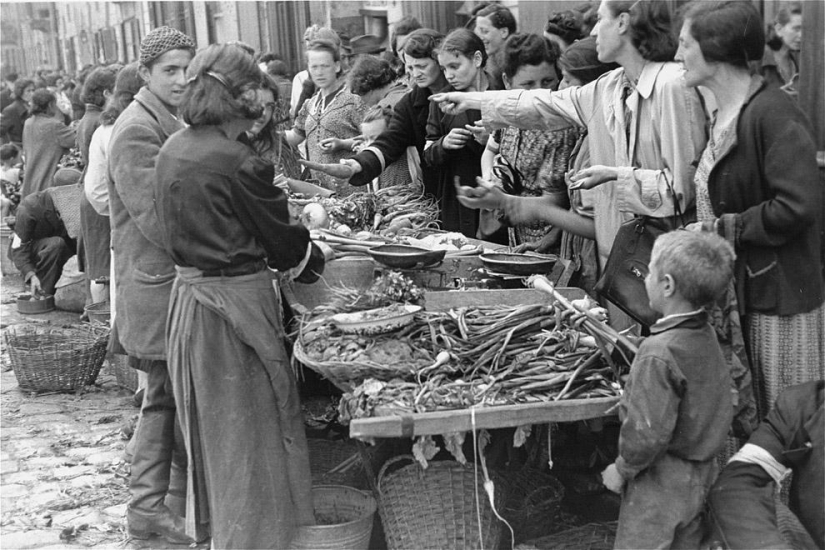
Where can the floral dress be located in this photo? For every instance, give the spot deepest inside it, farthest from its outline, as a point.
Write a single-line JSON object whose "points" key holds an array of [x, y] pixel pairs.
{"points": [[540, 157], [338, 115], [725, 313]]}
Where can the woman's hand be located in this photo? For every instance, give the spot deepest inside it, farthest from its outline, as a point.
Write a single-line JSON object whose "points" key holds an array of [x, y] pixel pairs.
{"points": [[479, 132], [590, 177], [485, 195], [456, 139], [344, 170], [544, 245], [612, 479], [333, 144], [454, 103]]}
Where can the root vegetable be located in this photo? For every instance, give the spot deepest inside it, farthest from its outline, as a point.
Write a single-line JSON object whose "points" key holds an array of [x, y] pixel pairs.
{"points": [[314, 216]]}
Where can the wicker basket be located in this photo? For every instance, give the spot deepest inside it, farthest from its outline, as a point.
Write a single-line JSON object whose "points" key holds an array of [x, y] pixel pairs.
{"points": [[347, 375], [436, 507], [335, 462], [534, 500], [125, 375], [57, 359]]}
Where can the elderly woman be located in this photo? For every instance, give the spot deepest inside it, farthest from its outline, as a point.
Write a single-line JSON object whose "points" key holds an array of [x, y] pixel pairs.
{"points": [[226, 227], [645, 128], [757, 185]]}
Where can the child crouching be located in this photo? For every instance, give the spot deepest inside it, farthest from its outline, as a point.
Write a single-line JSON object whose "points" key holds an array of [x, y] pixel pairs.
{"points": [[676, 409]]}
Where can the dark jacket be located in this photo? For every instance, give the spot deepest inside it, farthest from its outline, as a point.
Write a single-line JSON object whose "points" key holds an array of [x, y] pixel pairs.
{"points": [[765, 188], [408, 127], [144, 272], [85, 128], [218, 209], [36, 219], [11, 122], [677, 399]]}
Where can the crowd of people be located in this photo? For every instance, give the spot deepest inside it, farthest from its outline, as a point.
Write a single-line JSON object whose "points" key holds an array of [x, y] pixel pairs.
{"points": [[169, 178]]}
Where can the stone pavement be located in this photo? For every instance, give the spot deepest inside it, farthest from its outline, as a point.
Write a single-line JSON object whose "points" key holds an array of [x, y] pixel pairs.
{"points": [[63, 480]]}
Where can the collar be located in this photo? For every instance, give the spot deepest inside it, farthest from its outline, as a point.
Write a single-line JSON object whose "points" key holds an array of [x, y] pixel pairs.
{"points": [[647, 79], [691, 319], [169, 124]]}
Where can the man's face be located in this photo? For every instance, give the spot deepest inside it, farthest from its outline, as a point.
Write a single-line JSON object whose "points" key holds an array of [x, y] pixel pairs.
{"points": [[167, 77]]}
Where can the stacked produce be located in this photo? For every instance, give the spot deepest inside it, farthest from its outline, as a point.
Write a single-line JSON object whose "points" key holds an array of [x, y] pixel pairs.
{"points": [[390, 212], [492, 355]]}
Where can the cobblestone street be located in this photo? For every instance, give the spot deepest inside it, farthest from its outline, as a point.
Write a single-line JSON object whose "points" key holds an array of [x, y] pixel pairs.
{"points": [[64, 479]]}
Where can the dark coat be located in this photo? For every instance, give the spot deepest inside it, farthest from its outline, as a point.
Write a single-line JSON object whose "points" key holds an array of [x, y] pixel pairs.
{"points": [[11, 122], [408, 127], [144, 272], [766, 191]]}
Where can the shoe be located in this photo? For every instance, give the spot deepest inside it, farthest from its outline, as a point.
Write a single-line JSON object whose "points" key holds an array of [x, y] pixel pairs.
{"points": [[143, 525]]}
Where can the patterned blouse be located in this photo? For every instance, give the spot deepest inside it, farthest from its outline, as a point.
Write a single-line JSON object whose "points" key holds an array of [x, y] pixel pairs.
{"points": [[320, 118], [541, 157]]}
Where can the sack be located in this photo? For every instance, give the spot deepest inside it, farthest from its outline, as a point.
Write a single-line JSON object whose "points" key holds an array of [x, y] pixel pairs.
{"points": [[623, 279]]}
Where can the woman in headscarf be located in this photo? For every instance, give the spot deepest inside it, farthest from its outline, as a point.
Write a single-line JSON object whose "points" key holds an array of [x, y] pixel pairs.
{"points": [[225, 225]]}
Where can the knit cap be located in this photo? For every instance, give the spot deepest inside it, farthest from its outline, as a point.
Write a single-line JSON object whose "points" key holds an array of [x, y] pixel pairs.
{"points": [[160, 41]]}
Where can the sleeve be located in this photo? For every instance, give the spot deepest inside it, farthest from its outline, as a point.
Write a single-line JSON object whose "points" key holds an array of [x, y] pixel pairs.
{"points": [[262, 209], [651, 405], [390, 146], [23, 253], [682, 137], [795, 187], [95, 183], [65, 135], [781, 428], [300, 125], [554, 164], [297, 86], [434, 152], [540, 109], [132, 157]]}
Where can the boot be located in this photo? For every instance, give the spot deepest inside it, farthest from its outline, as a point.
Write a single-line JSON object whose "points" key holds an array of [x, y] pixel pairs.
{"points": [[147, 515]]}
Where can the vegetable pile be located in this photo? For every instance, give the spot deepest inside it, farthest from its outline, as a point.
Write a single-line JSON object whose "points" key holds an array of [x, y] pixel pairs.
{"points": [[491, 355], [390, 212]]}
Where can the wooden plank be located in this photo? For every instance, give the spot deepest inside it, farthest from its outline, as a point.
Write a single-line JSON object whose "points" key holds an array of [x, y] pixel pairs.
{"points": [[439, 422]]}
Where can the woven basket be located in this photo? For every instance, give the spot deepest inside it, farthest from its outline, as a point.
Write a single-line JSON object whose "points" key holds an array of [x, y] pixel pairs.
{"points": [[335, 462], [436, 507], [593, 536], [533, 501], [125, 375], [57, 359], [347, 375]]}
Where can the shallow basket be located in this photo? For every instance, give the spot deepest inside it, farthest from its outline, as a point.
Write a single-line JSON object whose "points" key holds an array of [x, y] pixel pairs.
{"points": [[57, 359], [437, 507], [533, 501], [347, 375], [349, 513]]}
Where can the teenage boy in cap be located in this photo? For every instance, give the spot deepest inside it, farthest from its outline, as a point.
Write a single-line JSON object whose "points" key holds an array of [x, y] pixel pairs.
{"points": [[143, 274]]}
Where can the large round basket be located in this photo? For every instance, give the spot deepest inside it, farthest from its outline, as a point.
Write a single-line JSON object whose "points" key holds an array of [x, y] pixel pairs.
{"points": [[57, 359], [344, 516], [347, 375], [440, 507], [533, 500]]}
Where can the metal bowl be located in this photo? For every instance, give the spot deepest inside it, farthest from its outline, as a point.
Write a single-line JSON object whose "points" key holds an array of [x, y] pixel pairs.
{"points": [[26, 305], [518, 264], [402, 256]]}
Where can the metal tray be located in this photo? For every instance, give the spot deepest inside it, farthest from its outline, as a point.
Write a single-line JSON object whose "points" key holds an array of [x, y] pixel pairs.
{"points": [[518, 264], [405, 257]]}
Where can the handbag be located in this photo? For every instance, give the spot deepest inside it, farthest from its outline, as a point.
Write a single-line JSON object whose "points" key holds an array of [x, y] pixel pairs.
{"points": [[623, 280]]}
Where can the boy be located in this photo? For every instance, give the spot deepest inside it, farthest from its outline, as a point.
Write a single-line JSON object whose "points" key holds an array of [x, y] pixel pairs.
{"points": [[676, 409], [9, 178]]}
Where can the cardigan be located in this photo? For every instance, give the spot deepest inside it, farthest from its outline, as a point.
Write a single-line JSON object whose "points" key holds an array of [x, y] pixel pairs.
{"points": [[765, 189]]}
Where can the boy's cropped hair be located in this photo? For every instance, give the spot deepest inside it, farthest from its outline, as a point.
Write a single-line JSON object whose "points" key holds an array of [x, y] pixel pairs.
{"points": [[8, 151], [701, 264]]}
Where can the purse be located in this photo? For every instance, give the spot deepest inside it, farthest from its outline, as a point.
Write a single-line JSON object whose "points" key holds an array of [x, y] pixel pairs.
{"points": [[623, 279]]}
